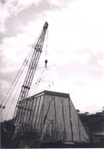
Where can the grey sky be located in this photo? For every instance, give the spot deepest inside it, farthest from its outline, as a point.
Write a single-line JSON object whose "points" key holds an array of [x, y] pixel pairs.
{"points": [[75, 45]]}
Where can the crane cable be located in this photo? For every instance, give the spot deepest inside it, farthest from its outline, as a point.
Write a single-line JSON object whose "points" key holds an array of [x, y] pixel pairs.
{"points": [[38, 81], [6, 98], [27, 60], [42, 73], [12, 100], [45, 68], [40, 78], [50, 81], [12, 87], [46, 60]]}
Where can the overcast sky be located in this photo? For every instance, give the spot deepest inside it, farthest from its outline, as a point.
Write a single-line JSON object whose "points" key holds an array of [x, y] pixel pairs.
{"points": [[75, 46]]}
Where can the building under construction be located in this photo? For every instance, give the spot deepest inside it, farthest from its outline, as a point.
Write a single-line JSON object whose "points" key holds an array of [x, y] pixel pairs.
{"points": [[48, 117]]}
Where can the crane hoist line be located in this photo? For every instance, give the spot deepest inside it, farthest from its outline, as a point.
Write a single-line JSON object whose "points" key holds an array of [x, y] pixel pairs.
{"points": [[32, 67]]}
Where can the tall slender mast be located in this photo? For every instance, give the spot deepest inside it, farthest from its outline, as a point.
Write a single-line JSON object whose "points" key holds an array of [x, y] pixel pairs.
{"points": [[32, 66]]}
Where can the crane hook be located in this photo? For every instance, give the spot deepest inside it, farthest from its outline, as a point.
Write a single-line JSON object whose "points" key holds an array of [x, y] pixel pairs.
{"points": [[46, 61]]}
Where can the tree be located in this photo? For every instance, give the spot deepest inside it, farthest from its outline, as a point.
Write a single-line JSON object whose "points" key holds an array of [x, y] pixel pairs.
{"points": [[86, 113], [78, 111]]}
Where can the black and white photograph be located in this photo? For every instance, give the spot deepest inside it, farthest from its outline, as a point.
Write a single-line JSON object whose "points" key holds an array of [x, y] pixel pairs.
{"points": [[51, 74]]}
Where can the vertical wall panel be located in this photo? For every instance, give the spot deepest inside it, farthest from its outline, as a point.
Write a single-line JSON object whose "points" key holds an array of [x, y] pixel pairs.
{"points": [[59, 125], [35, 110], [31, 112], [39, 110], [25, 112], [78, 129], [75, 123], [84, 136], [68, 135]]}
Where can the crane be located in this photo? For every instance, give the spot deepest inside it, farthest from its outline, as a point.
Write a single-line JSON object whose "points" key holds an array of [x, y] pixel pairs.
{"points": [[31, 69]]}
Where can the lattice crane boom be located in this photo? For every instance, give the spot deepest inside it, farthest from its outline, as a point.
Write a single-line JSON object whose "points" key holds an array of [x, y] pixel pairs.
{"points": [[32, 66]]}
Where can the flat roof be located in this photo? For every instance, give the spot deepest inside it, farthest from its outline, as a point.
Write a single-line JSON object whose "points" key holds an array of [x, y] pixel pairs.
{"points": [[45, 92], [53, 93]]}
